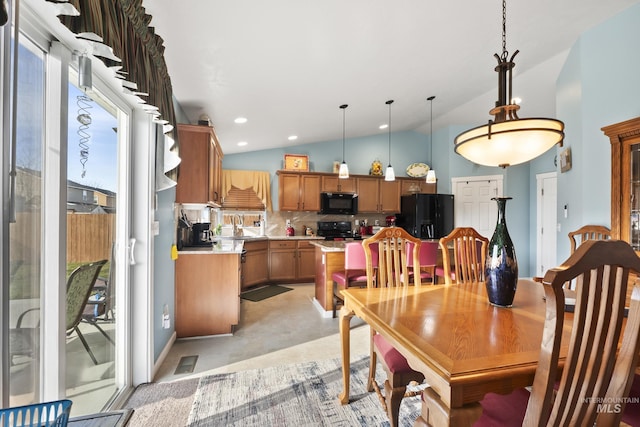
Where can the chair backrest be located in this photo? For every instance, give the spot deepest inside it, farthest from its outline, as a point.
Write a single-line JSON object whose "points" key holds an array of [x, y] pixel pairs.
{"points": [[599, 367], [469, 255], [354, 258], [79, 286], [428, 253], [588, 232], [390, 243]]}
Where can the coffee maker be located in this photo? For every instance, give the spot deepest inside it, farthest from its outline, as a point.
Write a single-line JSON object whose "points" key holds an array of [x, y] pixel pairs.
{"points": [[201, 234]]}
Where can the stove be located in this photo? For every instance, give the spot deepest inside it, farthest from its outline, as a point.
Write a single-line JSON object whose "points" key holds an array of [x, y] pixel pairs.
{"points": [[336, 230]]}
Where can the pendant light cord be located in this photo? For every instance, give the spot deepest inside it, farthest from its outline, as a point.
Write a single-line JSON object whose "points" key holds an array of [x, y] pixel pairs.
{"points": [[343, 107], [389, 102], [430, 99], [504, 30]]}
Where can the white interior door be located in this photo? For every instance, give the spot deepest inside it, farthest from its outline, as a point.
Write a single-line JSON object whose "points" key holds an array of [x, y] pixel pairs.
{"points": [[473, 204], [546, 229]]}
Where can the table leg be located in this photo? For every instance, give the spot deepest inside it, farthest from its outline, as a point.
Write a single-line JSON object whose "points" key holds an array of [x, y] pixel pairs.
{"points": [[436, 413], [345, 335]]}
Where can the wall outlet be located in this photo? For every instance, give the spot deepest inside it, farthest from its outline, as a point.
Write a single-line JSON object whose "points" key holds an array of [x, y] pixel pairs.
{"points": [[166, 321]]}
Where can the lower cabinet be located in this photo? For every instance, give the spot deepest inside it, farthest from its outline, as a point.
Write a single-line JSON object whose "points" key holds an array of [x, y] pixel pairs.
{"points": [[207, 294], [255, 270], [291, 261]]}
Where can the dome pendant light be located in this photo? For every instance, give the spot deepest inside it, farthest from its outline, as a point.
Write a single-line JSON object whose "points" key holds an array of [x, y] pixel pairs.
{"points": [[431, 174], [344, 169], [389, 175], [508, 140]]}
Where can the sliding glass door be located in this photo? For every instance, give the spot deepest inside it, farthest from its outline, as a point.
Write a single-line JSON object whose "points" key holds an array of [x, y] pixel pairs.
{"points": [[67, 207]]}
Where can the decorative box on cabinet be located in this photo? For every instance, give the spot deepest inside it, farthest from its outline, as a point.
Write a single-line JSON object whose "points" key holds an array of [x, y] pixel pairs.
{"points": [[200, 175]]}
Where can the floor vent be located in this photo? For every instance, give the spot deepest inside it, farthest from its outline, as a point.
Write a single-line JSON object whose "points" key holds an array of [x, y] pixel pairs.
{"points": [[186, 365]]}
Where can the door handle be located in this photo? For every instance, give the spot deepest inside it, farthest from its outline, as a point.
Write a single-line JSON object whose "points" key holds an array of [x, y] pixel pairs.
{"points": [[132, 245]]}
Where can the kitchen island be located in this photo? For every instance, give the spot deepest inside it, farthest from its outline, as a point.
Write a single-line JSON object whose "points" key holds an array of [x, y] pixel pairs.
{"points": [[329, 258], [208, 289]]}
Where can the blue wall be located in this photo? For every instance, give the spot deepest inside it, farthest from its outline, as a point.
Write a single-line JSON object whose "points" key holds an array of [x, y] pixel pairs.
{"points": [[163, 270], [599, 85]]}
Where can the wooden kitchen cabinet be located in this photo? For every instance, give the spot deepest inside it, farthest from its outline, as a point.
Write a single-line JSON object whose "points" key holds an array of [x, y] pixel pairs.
{"points": [[375, 195], [255, 270], [207, 293], [298, 191], [305, 261], [411, 186], [200, 174], [331, 183], [282, 260], [291, 261]]}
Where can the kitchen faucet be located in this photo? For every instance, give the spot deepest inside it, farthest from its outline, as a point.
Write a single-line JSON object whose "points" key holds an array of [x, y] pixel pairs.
{"points": [[236, 221]]}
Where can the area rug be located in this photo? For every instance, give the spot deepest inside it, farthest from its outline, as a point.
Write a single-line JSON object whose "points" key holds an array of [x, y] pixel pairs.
{"points": [[264, 293], [293, 395]]}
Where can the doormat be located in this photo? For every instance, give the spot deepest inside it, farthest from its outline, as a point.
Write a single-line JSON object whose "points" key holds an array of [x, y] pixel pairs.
{"points": [[264, 293]]}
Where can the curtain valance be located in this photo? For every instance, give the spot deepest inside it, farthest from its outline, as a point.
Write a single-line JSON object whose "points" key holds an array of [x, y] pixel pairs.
{"points": [[119, 33], [241, 179]]}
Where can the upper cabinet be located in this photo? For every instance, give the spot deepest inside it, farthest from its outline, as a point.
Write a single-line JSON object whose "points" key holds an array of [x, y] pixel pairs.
{"points": [[298, 191], [200, 175], [625, 180], [331, 183], [375, 195]]}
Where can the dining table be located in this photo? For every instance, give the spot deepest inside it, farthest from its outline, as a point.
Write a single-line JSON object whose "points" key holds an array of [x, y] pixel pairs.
{"points": [[465, 346]]}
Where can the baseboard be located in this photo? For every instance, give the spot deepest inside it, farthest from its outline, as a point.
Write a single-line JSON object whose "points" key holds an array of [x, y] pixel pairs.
{"points": [[320, 308], [164, 353]]}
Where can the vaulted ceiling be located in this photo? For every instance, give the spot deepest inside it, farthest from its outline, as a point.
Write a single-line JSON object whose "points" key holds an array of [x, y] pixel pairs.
{"points": [[287, 65]]}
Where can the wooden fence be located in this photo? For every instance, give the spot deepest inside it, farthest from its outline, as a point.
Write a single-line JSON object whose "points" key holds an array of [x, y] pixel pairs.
{"points": [[89, 236]]}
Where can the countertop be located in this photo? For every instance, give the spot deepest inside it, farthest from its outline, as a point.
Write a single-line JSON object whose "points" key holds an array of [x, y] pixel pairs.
{"points": [[330, 245], [231, 244]]}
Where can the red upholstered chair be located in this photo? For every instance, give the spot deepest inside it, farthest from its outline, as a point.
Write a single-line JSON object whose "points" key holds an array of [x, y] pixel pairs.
{"points": [[469, 255], [428, 260], [392, 270], [600, 365], [354, 274]]}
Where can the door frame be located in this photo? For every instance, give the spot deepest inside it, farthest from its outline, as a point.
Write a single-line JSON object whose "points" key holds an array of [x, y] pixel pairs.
{"points": [[540, 215]]}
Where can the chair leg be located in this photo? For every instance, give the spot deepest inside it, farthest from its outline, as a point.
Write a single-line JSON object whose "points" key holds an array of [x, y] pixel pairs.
{"points": [[85, 344], [393, 397], [94, 323], [372, 364]]}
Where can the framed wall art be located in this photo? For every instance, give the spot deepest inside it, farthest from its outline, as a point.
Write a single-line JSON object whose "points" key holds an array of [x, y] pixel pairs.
{"points": [[565, 159], [296, 162]]}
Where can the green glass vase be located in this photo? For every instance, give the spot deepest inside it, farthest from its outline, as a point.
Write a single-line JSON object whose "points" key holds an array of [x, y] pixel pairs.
{"points": [[501, 269]]}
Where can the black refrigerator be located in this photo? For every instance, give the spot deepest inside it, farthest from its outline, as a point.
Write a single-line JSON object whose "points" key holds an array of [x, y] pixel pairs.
{"points": [[427, 216]]}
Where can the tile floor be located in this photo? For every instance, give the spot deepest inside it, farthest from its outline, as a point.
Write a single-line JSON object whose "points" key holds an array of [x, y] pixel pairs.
{"points": [[284, 329]]}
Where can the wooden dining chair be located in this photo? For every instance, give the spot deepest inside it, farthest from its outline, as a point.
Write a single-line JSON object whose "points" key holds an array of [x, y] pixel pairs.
{"points": [[390, 246], [469, 255], [602, 354], [354, 273], [588, 232], [428, 260]]}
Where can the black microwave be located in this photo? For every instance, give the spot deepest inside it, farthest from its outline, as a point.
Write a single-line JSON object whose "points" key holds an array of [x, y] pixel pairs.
{"points": [[339, 203]]}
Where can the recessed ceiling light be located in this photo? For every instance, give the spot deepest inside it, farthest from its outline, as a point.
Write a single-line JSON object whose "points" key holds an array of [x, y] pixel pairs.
{"points": [[384, 126], [240, 120], [242, 143], [293, 137]]}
